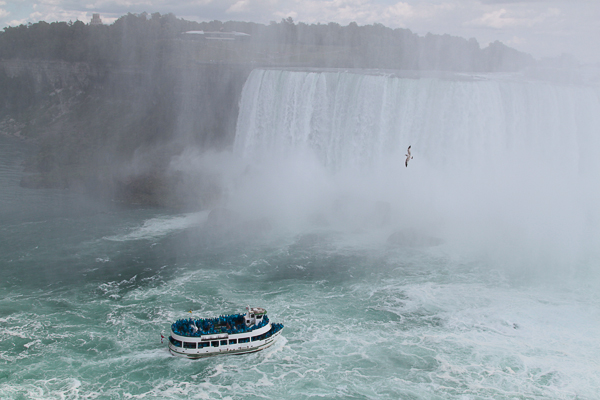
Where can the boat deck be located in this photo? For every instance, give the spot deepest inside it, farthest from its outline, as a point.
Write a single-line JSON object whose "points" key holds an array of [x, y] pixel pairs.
{"points": [[230, 324]]}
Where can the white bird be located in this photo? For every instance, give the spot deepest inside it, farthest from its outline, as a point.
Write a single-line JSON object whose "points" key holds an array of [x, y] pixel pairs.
{"points": [[408, 157]]}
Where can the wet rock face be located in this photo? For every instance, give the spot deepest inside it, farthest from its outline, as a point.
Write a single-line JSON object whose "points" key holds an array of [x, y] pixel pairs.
{"points": [[95, 124], [53, 74]]}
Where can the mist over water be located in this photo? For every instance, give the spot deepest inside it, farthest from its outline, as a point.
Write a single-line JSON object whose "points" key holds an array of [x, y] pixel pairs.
{"points": [[503, 167]]}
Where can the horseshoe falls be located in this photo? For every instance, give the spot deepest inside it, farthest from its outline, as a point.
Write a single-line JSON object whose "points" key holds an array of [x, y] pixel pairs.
{"points": [[470, 273], [500, 166]]}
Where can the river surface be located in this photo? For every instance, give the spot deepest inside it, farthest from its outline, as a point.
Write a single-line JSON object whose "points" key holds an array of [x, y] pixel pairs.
{"points": [[87, 289]]}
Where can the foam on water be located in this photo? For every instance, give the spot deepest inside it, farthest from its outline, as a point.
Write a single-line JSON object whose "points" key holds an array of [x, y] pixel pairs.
{"points": [[406, 325], [161, 226]]}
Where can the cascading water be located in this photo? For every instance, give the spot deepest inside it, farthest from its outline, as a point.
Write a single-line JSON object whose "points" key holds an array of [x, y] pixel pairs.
{"points": [[352, 119], [500, 163]]}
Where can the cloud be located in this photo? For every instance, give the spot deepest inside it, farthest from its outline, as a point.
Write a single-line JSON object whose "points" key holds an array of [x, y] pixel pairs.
{"points": [[394, 14], [292, 14], [313, 11], [17, 22], [495, 19], [511, 1], [240, 6], [52, 14], [515, 41], [402, 10], [247, 6], [502, 18]]}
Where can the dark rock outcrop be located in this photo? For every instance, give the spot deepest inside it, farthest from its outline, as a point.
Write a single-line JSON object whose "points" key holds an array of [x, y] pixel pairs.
{"points": [[121, 126]]}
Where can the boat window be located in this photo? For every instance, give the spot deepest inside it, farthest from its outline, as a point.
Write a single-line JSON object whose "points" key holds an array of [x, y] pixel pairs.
{"points": [[188, 345], [223, 342], [244, 340], [233, 341], [175, 342], [203, 344], [215, 343]]}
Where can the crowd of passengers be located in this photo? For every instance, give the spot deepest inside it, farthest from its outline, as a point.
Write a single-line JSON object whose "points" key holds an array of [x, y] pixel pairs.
{"points": [[275, 327], [210, 326]]}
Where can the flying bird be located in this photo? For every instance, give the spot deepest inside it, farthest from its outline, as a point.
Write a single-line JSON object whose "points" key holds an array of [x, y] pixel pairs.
{"points": [[408, 157]]}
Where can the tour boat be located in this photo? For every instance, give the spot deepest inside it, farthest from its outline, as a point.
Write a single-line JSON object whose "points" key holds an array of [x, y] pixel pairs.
{"points": [[227, 334]]}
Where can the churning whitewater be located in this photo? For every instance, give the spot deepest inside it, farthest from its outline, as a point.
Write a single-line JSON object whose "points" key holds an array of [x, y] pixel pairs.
{"points": [[471, 274]]}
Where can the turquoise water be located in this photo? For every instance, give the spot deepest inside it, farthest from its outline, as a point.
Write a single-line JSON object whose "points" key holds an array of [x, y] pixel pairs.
{"points": [[87, 288]]}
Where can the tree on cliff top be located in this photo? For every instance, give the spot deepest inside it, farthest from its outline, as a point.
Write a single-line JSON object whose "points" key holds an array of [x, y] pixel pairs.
{"points": [[149, 39]]}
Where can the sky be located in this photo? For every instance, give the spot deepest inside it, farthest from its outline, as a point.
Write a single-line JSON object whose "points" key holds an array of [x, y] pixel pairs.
{"points": [[542, 28]]}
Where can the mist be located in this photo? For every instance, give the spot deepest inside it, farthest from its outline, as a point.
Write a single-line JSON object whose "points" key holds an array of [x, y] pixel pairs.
{"points": [[307, 126], [503, 168]]}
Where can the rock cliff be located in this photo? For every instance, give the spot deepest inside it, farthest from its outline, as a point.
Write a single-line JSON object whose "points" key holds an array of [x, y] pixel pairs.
{"points": [[113, 130]]}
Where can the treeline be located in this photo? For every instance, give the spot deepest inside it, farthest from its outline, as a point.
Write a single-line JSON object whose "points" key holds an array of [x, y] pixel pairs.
{"points": [[131, 39], [137, 39], [377, 46]]}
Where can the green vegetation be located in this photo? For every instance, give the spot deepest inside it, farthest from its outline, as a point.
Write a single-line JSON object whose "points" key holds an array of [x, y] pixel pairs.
{"points": [[148, 40]]}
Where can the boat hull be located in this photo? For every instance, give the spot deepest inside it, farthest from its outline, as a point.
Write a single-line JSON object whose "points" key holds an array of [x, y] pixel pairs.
{"points": [[239, 348]]}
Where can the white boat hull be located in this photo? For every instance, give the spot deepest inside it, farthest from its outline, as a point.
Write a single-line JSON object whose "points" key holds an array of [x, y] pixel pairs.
{"points": [[238, 348]]}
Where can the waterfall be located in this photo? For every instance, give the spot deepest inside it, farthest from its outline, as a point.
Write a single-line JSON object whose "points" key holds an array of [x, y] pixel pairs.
{"points": [[500, 161], [352, 119]]}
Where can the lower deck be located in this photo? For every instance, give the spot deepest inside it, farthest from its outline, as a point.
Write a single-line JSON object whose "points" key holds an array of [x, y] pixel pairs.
{"points": [[223, 346]]}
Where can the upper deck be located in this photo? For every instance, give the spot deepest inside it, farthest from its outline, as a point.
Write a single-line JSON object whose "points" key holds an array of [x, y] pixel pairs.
{"points": [[254, 319]]}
